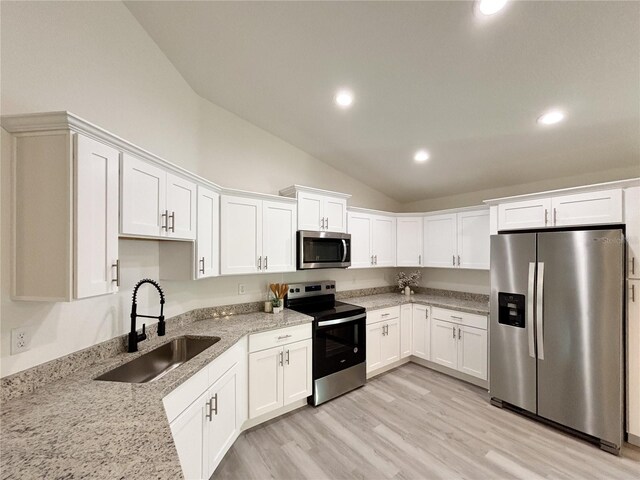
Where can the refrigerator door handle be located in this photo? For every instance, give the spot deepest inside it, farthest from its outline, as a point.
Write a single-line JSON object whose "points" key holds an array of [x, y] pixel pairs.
{"points": [[530, 318], [539, 311]]}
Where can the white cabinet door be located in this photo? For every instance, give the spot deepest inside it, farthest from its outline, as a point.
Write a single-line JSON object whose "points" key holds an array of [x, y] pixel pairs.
{"points": [[335, 214], [421, 331], [310, 212], [265, 381], [383, 241], [241, 235], [444, 343], [189, 433], [633, 357], [588, 208], [143, 198], [440, 240], [374, 346], [391, 341], [632, 220], [472, 351], [181, 207], [473, 239], [409, 241], [96, 227], [525, 214], [279, 237], [406, 314], [298, 361], [360, 226], [221, 425], [207, 241]]}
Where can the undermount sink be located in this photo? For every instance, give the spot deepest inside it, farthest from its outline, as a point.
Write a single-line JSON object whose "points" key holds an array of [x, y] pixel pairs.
{"points": [[158, 362]]}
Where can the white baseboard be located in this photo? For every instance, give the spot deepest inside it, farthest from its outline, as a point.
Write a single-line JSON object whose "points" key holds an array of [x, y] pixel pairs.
{"points": [[452, 373], [252, 422], [386, 368], [633, 439]]}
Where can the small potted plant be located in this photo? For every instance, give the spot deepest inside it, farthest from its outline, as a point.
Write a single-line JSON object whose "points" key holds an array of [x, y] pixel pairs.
{"points": [[279, 291], [405, 282]]}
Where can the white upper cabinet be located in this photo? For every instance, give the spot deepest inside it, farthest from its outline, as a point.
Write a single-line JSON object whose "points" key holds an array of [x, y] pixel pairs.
{"points": [[409, 241], [96, 207], [65, 216], [440, 240], [279, 236], [457, 240], [208, 237], [257, 236], [373, 240], [360, 227], [473, 240], [632, 221], [384, 241], [156, 203], [319, 210], [525, 214], [588, 208]]}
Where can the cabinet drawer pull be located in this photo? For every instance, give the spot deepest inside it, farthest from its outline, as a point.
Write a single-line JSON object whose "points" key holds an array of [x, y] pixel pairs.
{"points": [[371, 259], [376, 259], [202, 265], [633, 265], [457, 318], [385, 314], [282, 337], [165, 224], [322, 223], [173, 222], [117, 267]]}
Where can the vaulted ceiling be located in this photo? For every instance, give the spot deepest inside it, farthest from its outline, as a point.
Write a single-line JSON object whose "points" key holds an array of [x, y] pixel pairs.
{"points": [[425, 75]]}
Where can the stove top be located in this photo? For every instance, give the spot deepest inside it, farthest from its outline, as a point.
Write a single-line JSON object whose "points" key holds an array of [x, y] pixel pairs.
{"points": [[318, 299], [327, 311]]}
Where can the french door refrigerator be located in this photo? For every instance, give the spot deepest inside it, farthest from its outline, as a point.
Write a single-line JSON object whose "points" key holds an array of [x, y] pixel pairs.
{"points": [[556, 334]]}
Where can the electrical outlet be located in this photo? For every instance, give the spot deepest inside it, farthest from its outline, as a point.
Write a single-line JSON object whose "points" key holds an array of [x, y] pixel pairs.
{"points": [[20, 340], [241, 289]]}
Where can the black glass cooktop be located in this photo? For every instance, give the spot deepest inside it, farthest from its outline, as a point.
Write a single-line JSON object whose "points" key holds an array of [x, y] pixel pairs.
{"points": [[328, 310]]}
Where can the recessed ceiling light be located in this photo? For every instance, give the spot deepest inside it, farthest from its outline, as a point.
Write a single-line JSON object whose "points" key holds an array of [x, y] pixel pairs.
{"points": [[344, 98], [421, 156], [551, 117], [490, 7]]}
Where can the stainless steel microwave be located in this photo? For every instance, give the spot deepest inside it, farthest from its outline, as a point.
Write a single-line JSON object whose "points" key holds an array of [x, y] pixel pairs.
{"points": [[323, 250]]}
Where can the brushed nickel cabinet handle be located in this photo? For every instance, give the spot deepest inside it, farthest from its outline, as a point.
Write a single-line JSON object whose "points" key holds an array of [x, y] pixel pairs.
{"points": [[419, 259], [173, 222], [215, 408], [458, 260], [453, 330], [281, 359], [458, 333], [457, 318], [555, 216], [165, 225], [117, 267], [326, 223], [209, 414], [453, 260], [322, 224], [266, 262], [260, 263], [287, 357], [546, 217], [376, 259], [633, 293], [633, 265], [371, 259], [282, 337]]}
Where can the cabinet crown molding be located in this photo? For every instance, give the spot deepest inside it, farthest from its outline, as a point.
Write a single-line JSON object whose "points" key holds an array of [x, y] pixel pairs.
{"points": [[631, 182], [416, 214], [259, 196], [33, 123], [293, 190]]}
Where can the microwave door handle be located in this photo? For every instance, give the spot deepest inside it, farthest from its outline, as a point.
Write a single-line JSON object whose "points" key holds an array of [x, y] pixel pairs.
{"points": [[344, 249]]}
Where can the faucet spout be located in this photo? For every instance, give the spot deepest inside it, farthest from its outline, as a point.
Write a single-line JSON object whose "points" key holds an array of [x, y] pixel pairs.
{"points": [[134, 336]]}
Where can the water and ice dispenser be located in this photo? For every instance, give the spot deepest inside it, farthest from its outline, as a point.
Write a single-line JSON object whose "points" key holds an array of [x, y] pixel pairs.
{"points": [[511, 308]]}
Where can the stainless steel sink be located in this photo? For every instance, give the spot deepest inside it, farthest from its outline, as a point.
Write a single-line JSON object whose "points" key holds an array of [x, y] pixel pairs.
{"points": [[159, 361]]}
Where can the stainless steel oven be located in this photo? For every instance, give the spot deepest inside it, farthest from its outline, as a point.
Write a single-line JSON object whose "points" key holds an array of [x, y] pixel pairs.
{"points": [[323, 250]]}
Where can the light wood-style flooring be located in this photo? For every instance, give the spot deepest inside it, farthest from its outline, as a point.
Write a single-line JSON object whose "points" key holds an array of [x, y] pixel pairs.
{"points": [[414, 423]]}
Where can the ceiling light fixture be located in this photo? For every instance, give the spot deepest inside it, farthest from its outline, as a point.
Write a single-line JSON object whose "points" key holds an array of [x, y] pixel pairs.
{"points": [[421, 156], [490, 7], [344, 98], [551, 117]]}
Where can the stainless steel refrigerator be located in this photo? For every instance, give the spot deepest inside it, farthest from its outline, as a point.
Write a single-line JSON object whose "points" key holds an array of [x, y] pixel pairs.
{"points": [[556, 334]]}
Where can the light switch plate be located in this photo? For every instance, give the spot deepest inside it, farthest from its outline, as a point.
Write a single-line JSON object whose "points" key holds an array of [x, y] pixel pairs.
{"points": [[20, 340]]}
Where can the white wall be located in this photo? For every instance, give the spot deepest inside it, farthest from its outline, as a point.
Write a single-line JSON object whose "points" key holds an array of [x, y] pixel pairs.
{"points": [[95, 60]]}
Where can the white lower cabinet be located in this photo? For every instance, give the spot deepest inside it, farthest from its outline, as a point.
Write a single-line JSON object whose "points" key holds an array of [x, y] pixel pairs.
{"points": [[279, 374], [421, 331], [406, 330], [459, 341], [207, 411], [633, 359], [383, 338]]}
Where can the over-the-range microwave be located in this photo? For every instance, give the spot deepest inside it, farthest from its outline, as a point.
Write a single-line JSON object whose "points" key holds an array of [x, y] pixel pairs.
{"points": [[323, 250]]}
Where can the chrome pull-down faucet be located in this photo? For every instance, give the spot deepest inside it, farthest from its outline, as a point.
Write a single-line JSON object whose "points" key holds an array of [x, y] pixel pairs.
{"points": [[134, 336]]}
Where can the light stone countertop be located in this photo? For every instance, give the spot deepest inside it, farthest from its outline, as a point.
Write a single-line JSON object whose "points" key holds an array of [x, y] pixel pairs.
{"points": [[80, 428], [385, 300], [77, 427]]}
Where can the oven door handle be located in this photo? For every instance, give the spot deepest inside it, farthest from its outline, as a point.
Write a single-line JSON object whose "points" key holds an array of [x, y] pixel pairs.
{"points": [[337, 321]]}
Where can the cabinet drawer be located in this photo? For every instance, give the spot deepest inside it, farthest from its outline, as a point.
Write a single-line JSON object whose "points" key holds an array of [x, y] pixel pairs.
{"points": [[375, 316], [462, 318], [281, 336]]}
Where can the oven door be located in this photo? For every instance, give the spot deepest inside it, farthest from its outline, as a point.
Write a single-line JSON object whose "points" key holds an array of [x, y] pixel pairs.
{"points": [[323, 250], [338, 344]]}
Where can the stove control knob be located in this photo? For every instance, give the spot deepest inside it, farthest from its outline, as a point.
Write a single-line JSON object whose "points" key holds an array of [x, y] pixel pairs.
{"points": [[355, 349]]}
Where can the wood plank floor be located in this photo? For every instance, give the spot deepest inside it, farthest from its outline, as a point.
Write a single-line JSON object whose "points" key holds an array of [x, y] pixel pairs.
{"points": [[414, 423]]}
